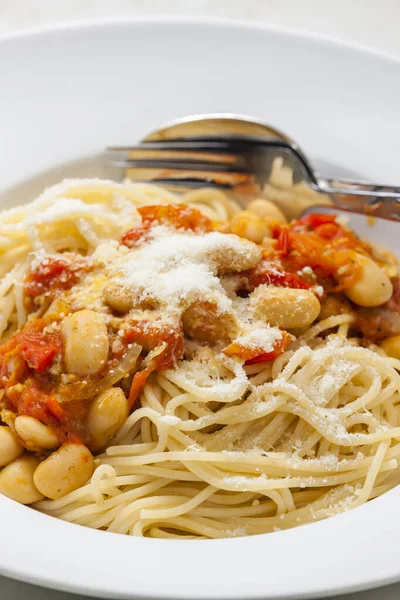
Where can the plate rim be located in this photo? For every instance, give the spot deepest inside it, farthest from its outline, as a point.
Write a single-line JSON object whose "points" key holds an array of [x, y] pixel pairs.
{"points": [[210, 21], [231, 24]]}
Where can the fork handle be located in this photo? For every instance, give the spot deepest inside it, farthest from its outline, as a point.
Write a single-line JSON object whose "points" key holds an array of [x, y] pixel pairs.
{"points": [[359, 196], [358, 188]]}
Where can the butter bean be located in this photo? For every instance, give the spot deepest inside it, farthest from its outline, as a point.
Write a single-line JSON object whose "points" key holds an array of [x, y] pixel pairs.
{"points": [[373, 287], [10, 448], [35, 435], [16, 480], [284, 307], [86, 343], [248, 225], [64, 471], [107, 413], [391, 346], [267, 210]]}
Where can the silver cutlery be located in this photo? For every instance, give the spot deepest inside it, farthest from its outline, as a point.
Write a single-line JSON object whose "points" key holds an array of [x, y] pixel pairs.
{"points": [[236, 154]]}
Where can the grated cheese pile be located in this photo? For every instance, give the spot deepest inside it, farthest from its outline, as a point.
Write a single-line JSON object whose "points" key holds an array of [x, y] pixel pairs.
{"points": [[263, 338], [176, 269], [171, 271]]}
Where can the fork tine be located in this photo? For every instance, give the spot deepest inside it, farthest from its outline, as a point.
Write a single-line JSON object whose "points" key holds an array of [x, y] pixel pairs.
{"points": [[223, 143], [225, 179], [178, 165], [244, 154], [211, 157], [191, 183], [228, 160], [141, 157], [186, 183]]}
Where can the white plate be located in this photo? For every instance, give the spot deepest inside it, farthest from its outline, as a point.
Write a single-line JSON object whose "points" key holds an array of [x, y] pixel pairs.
{"points": [[69, 92]]}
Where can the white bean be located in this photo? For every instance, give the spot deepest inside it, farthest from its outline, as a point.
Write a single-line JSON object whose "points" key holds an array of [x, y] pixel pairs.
{"points": [[34, 434], [122, 299], [373, 287], [64, 471], [16, 480], [86, 343], [284, 307], [267, 210], [203, 321], [391, 346], [107, 413], [247, 225], [118, 296], [237, 257], [10, 448]]}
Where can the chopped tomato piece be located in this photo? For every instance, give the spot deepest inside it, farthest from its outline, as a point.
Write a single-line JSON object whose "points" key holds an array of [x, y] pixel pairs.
{"points": [[252, 355], [38, 348], [53, 275], [13, 368], [137, 385], [313, 220], [319, 242], [28, 400], [32, 344], [132, 236], [282, 234], [8, 346], [328, 231], [325, 227], [270, 274], [179, 216], [151, 334], [308, 249]]}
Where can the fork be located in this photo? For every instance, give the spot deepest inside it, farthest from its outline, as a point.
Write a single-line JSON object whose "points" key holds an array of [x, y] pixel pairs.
{"points": [[236, 154]]}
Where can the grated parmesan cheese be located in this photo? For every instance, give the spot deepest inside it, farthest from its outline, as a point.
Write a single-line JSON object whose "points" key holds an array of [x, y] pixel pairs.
{"points": [[176, 269], [264, 338], [169, 420]]}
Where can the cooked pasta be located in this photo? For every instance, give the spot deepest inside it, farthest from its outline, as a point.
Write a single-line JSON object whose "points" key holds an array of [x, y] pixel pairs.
{"points": [[175, 367]]}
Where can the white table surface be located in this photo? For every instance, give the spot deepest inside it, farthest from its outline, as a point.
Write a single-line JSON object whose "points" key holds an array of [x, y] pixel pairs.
{"points": [[371, 23]]}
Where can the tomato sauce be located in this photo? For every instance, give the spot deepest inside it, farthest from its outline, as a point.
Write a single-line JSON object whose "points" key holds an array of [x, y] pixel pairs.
{"points": [[38, 348], [54, 275], [30, 360], [33, 345], [319, 242], [151, 334], [138, 382], [274, 275], [383, 321], [178, 216], [252, 355], [25, 360], [66, 421]]}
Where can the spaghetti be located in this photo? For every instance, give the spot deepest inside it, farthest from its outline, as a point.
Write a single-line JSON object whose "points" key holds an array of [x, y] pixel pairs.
{"points": [[240, 406]]}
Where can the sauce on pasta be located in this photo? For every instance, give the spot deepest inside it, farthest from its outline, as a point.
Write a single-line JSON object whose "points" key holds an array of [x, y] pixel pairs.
{"points": [[177, 367]]}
